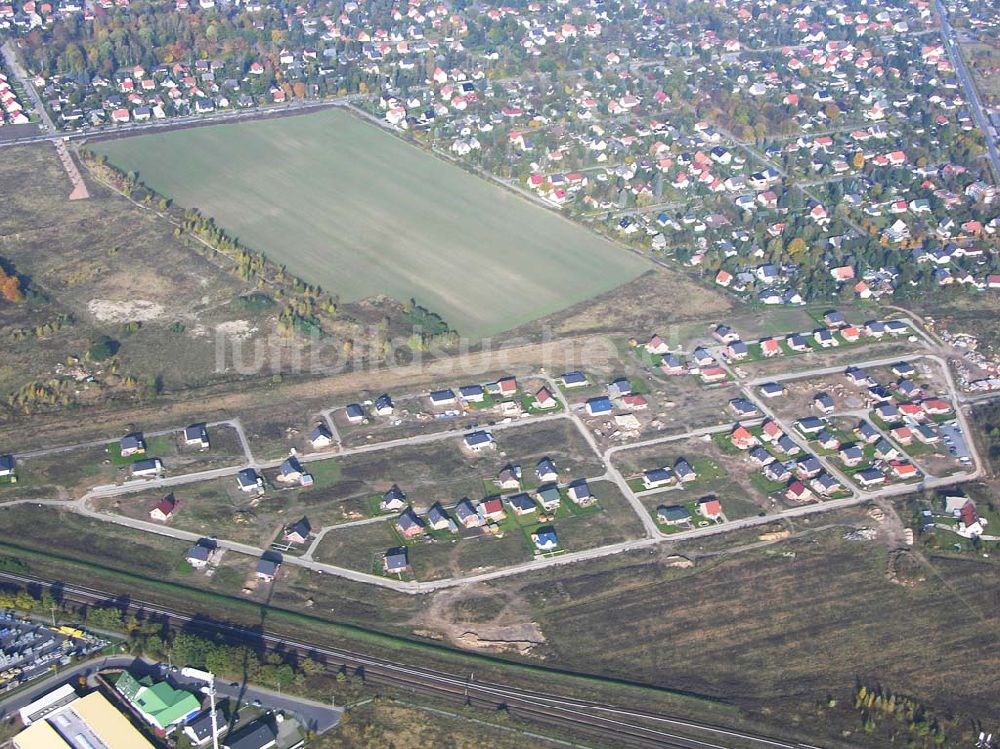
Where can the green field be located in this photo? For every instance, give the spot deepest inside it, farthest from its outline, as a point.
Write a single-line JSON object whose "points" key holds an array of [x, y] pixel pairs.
{"points": [[361, 213]]}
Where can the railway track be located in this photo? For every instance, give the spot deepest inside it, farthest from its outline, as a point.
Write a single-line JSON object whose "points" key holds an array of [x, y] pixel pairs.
{"points": [[612, 725]]}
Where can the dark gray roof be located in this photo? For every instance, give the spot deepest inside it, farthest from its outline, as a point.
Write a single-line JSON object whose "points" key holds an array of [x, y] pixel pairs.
{"points": [[254, 736]]}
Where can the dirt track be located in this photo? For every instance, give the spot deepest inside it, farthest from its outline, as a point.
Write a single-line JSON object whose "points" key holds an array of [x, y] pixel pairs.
{"points": [[232, 397]]}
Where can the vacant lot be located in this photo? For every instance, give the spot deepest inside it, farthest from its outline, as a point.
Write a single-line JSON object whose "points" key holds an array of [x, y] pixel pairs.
{"points": [[361, 213], [782, 628], [104, 262]]}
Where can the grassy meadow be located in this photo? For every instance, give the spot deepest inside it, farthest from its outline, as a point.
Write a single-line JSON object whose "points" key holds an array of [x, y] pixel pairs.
{"points": [[361, 213]]}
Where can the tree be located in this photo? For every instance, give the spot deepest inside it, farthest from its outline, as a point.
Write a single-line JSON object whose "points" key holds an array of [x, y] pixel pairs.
{"points": [[103, 348]]}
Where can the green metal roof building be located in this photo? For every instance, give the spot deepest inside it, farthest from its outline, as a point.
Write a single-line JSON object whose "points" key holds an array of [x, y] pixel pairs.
{"points": [[159, 703]]}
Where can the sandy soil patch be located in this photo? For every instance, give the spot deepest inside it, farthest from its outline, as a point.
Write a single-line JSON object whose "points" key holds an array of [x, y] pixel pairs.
{"points": [[134, 310], [241, 329]]}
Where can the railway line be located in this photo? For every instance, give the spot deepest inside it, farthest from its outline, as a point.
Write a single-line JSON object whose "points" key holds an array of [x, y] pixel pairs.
{"points": [[609, 724]]}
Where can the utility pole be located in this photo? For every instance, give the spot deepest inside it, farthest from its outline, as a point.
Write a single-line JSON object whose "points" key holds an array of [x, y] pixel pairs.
{"points": [[209, 678], [215, 717]]}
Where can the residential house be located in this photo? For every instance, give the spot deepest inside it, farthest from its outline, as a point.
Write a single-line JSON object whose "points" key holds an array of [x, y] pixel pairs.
{"points": [[798, 343], [544, 399], [823, 403], [710, 508], [291, 471], [787, 446], [298, 532], [164, 509], [505, 387], [724, 334], [199, 555], [773, 390], [132, 444], [777, 472], [571, 380], [396, 561], [579, 492], [902, 434], [384, 405], [808, 466], [867, 433], [904, 470], [442, 398], [635, 402], [472, 393], [509, 477], [478, 441], [491, 510], [196, 435], [148, 468], [713, 374], [737, 351], [770, 347], [656, 478], [393, 500], [851, 455], [545, 539], [656, 346], [408, 524], [870, 477], [673, 515], [546, 470], [248, 480], [261, 734], [549, 497], [936, 406], [467, 515], [439, 520], [760, 457], [599, 406], [887, 412], [267, 568], [742, 438], [825, 484], [320, 437], [702, 357], [619, 388], [522, 504], [827, 440], [354, 413], [7, 466], [684, 472], [810, 425], [671, 365], [798, 492]]}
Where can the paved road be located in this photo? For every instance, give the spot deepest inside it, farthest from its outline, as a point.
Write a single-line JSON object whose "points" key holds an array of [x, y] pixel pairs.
{"points": [[971, 93]]}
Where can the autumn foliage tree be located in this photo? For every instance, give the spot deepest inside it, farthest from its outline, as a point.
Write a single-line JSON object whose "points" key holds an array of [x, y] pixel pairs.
{"points": [[10, 287]]}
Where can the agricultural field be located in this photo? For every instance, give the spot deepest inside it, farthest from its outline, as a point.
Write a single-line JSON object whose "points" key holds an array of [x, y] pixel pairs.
{"points": [[359, 212]]}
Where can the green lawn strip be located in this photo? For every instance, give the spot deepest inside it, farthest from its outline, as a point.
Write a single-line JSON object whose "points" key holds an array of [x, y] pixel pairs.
{"points": [[324, 472]]}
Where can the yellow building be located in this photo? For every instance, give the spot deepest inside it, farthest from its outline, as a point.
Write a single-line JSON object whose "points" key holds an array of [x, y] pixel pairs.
{"points": [[84, 723]]}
